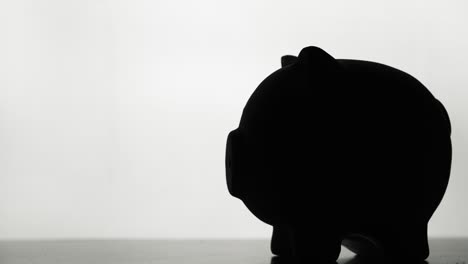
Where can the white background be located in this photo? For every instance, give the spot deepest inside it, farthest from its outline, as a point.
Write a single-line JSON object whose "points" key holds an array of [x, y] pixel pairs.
{"points": [[114, 114]]}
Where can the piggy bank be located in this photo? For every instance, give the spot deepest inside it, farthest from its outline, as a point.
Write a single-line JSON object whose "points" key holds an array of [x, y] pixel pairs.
{"points": [[333, 152]]}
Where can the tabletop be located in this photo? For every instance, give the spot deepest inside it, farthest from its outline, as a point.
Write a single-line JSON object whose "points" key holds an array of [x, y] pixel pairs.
{"points": [[443, 251]]}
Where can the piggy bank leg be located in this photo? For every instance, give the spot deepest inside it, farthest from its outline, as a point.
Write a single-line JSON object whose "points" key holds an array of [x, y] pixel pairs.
{"points": [[409, 242], [312, 242], [319, 243], [281, 241]]}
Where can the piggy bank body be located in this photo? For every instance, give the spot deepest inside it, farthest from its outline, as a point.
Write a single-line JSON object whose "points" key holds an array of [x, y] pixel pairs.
{"points": [[335, 152]]}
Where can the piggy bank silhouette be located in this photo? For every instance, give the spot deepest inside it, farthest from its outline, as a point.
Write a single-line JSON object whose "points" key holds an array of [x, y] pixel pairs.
{"points": [[335, 152]]}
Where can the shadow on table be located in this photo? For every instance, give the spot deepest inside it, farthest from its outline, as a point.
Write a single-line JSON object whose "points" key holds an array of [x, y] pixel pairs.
{"points": [[353, 260]]}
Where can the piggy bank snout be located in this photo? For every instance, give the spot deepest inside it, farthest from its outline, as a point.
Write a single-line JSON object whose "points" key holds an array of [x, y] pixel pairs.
{"points": [[232, 163]]}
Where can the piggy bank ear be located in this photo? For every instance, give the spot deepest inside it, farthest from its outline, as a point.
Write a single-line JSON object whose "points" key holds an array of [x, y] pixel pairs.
{"points": [[288, 60], [316, 58], [233, 162]]}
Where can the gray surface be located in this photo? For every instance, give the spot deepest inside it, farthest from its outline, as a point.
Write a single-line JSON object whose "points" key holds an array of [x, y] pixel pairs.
{"points": [[183, 251]]}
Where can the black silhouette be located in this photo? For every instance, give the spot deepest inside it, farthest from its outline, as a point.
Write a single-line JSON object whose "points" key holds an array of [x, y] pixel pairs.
{"points": [[337, 151], [353, 260]]}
